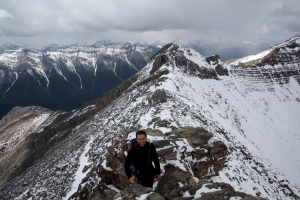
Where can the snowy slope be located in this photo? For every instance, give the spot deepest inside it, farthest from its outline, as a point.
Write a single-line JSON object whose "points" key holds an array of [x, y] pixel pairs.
{"points": [[290, 46], [264, 124], [259, 126]]}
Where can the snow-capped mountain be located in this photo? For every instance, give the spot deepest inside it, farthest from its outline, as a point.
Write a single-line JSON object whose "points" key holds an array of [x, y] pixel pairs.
{"points": [[226, 49], [277, 63], [283, 54], [9, 46], [219, 131], [66, 76]]}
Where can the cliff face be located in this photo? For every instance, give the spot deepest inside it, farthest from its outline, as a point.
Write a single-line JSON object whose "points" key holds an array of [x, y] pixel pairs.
{"points": [[15, 127], [216, 131], [276, 65]]}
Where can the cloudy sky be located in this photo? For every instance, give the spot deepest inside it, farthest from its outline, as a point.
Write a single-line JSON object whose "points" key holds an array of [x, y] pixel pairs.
{"points": [[41, 22]]}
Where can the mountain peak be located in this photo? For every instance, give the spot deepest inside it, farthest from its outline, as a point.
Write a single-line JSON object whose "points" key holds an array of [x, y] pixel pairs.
{"points": [[189, 61], [103, 43]]}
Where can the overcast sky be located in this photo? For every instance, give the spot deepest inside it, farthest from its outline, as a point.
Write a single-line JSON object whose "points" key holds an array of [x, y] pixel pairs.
{"points": [[41, 22]]}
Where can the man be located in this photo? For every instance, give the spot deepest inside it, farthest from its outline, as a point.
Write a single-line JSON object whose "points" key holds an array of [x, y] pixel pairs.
{"points": [[139, 162]]}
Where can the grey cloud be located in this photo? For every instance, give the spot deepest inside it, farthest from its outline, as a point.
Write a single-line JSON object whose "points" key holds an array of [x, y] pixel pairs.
{"points": [[155, 19]]}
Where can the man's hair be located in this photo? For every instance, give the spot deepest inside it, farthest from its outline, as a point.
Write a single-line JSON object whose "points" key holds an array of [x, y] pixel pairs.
{"points": [[140, 132]]}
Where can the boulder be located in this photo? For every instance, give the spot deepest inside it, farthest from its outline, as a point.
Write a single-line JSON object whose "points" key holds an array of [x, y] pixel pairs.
{"points": [[170, 184], [134, 190], [153, 132], [167, 154], [155, 196], [224, 191], [195, 136], [159, 96], [215, 162]]}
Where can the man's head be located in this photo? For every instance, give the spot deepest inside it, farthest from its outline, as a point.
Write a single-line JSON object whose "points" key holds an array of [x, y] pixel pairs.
{"points": [[141, 137]]}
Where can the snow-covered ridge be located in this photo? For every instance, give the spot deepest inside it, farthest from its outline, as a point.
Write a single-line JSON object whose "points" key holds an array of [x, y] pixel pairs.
{"points": [[254, 59], [290, 46], [259, 127]]}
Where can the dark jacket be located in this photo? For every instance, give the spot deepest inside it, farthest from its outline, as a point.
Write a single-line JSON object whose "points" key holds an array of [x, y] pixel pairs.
{"points": [[138, 156]]}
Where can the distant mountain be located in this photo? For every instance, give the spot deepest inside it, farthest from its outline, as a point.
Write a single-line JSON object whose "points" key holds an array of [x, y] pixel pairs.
{"points": [[9, 46], [221, 131], [277, 63], [226, 49], [103, 43], [66, 76], [285, 53]]}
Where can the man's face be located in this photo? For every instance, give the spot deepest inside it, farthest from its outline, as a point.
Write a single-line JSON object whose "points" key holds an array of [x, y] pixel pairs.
{"points": [[142, 139]]}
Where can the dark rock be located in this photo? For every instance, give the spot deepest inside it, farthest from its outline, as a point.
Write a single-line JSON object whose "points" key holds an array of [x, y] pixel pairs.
{"points": [[195, 136], [155, 196], [135, 190], [162, 143], [161, 51], [159, 96], [161, 58], [159, 61], [225, 191], [216, 155], [217, 150], [199, 154], [215, 60], [221, 70], [167, 154], [154, 132], [169, 186]]}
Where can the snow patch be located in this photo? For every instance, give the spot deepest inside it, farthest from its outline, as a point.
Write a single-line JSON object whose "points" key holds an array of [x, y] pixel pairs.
{"points": [[79, 175]]}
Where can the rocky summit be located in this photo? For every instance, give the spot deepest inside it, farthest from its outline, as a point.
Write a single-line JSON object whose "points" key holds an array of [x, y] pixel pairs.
{"points": [[219, 135]]}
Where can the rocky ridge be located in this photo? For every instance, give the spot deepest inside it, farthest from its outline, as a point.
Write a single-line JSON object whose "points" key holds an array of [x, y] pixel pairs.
{"points": [[186, 107]]}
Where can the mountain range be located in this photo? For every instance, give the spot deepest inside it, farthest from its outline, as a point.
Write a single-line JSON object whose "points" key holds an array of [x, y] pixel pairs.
{"points": [[222, 131], [65, 76]]}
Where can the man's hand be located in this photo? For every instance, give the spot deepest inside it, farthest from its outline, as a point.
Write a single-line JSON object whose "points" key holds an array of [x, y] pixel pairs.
{"points": [[131, 180], [158, 177]]}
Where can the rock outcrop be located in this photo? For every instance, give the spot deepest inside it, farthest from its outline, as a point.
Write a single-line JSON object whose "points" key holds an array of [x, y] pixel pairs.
{"points": [[219, 66], [180, 180], [170, 55]]}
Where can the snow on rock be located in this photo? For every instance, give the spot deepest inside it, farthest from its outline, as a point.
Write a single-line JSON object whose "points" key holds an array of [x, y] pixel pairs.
{"points": [[254, 59], [232, 134], [289, 47]]}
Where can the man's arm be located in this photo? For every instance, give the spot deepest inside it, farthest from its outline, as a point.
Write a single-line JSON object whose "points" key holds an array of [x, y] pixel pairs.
{"points": [[127, 163], [155, 159]]}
